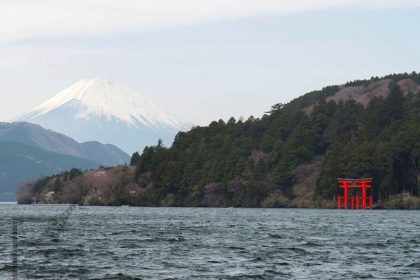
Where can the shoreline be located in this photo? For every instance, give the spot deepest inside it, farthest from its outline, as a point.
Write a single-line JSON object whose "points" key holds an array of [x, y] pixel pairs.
{"points": [[209, 207]]}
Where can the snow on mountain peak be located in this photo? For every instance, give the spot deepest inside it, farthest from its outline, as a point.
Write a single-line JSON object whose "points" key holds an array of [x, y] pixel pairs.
{"points": [[100, 97]]}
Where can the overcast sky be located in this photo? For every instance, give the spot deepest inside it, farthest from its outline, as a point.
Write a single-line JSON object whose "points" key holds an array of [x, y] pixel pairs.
{"points": [[202, 60]]}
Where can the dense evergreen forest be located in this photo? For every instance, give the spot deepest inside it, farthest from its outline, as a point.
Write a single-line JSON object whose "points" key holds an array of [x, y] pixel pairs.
{"points": [[292, 155]]}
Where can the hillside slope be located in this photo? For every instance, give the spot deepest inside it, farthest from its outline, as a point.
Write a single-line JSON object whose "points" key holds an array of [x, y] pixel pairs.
{"points": [[20, 162], [46, 152], [49, 140], [290, 157]]}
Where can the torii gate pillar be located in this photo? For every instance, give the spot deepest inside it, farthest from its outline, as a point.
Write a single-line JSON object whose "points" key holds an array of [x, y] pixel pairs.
{"points": [[364, 184]]}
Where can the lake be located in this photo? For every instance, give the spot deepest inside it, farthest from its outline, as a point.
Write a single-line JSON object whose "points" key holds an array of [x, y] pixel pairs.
{"points": [[64, 242]]}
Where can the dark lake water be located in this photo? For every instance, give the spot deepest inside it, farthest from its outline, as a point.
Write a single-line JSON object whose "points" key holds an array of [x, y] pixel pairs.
{"points": [[199, 243]]}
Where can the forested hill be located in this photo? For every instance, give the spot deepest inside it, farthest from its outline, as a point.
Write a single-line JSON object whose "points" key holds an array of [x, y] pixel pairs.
{"points": [[290, 157]]}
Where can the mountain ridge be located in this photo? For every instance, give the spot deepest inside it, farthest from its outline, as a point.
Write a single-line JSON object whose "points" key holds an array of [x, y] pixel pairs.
{"points": [[33, 151], [92, 108], [20, 163], [52, 141]]}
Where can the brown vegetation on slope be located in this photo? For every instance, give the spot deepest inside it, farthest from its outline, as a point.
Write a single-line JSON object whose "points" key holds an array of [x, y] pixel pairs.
{"points": [[110, 186], [364, 93], [119, 186]]}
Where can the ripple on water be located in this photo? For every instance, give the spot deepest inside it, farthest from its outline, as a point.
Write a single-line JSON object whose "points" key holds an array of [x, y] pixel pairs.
{"points": [[197, 243]]}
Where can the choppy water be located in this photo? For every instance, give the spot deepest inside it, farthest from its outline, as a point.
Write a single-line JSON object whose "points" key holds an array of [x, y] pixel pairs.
{"points": [[199, 243]]}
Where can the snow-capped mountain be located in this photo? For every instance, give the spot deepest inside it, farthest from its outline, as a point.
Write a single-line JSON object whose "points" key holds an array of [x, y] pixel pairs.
{"points": [[98, 110]]}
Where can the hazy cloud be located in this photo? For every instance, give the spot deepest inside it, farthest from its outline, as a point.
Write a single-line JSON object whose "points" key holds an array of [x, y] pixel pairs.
{"points": [[198, 72], [23, 19]]}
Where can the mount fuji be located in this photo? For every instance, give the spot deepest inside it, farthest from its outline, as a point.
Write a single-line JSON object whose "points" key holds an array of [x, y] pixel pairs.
{"points": [[109, 113]]}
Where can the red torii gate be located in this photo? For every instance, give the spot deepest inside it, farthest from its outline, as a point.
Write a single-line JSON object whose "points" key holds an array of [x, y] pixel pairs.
{"points": [[346, 184]]}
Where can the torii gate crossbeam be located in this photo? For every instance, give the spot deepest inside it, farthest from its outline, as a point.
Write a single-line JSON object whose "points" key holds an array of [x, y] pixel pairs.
{"points": [[363, 184]]}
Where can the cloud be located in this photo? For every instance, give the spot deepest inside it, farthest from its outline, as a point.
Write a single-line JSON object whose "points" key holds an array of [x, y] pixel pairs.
{"points": [[24, 19]]}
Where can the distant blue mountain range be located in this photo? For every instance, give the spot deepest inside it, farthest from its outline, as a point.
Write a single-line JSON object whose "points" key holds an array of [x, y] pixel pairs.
{"points": [[29, 151]]}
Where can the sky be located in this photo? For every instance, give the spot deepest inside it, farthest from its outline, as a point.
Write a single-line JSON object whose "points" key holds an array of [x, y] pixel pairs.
{"points": [[202, 60]]}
